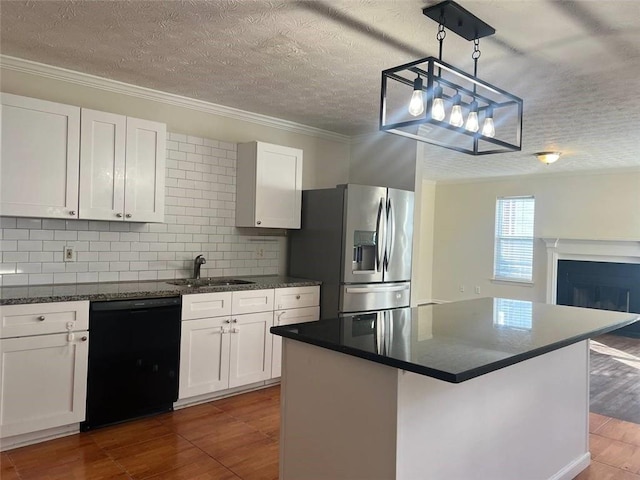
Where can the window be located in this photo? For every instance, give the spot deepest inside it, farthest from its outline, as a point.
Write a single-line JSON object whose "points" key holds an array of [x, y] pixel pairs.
{"points": [[513, 258]]}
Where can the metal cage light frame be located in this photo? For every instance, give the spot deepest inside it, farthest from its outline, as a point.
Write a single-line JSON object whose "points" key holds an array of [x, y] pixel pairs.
{"points": [[498, 111]]}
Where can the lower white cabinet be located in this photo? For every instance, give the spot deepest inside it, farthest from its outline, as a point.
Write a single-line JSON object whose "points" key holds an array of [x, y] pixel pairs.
{"points": [[204, 356], [43, 375], [226, 342], [226, 351], [250, 348]]}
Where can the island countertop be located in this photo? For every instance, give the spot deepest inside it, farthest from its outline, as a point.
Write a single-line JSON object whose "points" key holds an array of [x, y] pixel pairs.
{"points": [[461, 340]]}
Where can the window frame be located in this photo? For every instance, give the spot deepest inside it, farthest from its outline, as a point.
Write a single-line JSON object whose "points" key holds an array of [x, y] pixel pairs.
{"points": [[499, 239]]}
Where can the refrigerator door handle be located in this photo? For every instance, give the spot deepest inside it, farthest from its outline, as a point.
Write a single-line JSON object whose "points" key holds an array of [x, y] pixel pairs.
{"points": [[395, 288], [379, 236], [391, 233]]}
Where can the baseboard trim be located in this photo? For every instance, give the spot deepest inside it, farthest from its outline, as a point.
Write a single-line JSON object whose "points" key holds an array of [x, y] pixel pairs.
{"points": [[25, 439], [571, 470]]}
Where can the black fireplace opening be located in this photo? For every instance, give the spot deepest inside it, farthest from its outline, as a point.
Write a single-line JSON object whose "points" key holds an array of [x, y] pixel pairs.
{"points": [[601, 285]]}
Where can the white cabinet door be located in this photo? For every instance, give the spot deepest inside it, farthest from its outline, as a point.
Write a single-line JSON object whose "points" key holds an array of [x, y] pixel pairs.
{"points": [[43, 382], [204, 356], [39, 158], [122, 168], [288, 317], [102, 165], [144, 182], [250, 359], [269, 183]]}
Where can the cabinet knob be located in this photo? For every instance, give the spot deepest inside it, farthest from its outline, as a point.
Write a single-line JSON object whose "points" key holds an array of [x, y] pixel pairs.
{"points": [[258, 222], [235, 320], [72, 213], [227, 321], [41, 318], [119, 215], [128, 215], [84, 339], [297, 297]]}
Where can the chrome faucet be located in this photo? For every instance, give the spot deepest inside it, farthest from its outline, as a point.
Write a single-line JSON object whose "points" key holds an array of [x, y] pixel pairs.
{"points": [[197, 263]]}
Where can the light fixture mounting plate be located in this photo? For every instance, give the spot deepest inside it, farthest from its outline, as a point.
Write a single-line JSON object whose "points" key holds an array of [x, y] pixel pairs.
{"points": [[459, 20]]}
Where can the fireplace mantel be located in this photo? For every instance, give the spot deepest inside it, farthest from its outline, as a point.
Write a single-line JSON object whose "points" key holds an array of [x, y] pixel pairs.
{"points": [[619, 251]]}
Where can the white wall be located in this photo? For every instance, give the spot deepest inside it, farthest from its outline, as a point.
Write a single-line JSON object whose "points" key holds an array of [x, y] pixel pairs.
{"points": [[383, 159], [586, 206]]}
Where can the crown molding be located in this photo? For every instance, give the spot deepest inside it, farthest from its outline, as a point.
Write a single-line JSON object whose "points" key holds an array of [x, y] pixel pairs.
{"points": [[114, 86]]}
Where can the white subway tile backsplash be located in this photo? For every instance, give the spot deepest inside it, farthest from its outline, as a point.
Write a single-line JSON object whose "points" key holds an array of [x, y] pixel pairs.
{"points": [[17, 257], [108, 276], [108, 256], [30, 245], [178, 137], [65, 235], [199, 219], [53, 224]]}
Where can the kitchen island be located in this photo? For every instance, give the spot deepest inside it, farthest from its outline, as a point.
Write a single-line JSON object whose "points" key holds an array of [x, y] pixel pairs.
{"points": [[478, 389]]}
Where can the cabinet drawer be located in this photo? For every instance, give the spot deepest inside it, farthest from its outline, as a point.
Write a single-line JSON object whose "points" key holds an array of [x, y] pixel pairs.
{"points": [[43, 318], [251, 301], [297, 315], [205, 305], [297, 297]]}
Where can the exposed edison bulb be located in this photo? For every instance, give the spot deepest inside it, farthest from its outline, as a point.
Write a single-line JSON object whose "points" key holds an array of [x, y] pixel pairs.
{"points": [[437, 108], [456, 118], [416, 105], [472, 120], [488, 127]]}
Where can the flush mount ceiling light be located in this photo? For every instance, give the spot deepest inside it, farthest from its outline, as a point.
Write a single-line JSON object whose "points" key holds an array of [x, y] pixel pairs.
{"points": [[431, 101], [548, 157]]}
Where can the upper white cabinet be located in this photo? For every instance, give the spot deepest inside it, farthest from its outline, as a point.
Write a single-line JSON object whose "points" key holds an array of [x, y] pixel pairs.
{"points": [[122, 163], [39, 158], [60, 161], [269, 186]]}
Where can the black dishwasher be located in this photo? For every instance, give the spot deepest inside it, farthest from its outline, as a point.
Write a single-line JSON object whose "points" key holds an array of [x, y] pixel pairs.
{"points": [[134, 356]]}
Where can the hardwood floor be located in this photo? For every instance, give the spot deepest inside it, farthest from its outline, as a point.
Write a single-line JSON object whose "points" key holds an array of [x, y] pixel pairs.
{"points": [[236, 438], [615, 377]]}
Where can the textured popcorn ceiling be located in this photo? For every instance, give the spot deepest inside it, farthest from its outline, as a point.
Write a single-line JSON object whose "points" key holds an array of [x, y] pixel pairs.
{"points": [[575, 64]]}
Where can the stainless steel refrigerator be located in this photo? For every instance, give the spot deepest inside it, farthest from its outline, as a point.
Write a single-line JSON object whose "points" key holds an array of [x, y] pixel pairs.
{"points": [[357, 240]]}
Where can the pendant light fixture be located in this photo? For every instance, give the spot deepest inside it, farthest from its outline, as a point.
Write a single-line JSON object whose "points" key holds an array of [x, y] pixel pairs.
{"points": [[462, 112]]}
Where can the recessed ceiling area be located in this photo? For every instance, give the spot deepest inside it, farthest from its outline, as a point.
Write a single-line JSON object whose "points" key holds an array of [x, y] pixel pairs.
{"points": [[576, 64]]}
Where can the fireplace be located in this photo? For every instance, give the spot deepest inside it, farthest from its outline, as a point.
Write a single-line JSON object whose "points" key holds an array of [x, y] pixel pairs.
{"points": [[595, 274], [601, 285]]}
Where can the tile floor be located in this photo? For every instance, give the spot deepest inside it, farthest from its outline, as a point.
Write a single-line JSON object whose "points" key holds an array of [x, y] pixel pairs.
{"points": [[236, 438]]}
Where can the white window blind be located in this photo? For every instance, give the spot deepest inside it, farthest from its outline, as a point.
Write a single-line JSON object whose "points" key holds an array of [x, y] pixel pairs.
{"points": [[513, 258]]}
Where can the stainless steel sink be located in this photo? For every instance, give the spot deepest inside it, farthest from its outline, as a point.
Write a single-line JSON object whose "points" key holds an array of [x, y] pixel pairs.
{"points": [[209, 282]]}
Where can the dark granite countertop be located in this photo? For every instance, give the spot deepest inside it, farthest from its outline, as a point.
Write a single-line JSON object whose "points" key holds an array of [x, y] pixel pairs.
{"points": [[124, 290], [461, 340]]}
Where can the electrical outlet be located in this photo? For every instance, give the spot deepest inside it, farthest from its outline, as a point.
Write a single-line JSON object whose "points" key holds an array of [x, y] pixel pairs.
{"points": [[259, 252], [69, 254], [477, 289], [461, 288]]}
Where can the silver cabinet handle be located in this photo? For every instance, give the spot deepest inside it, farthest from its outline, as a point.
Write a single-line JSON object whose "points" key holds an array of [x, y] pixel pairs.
{"points": [[72, 213], [84, 339], [41, 318], [258, 222], [119, 215], [128, 215]]}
